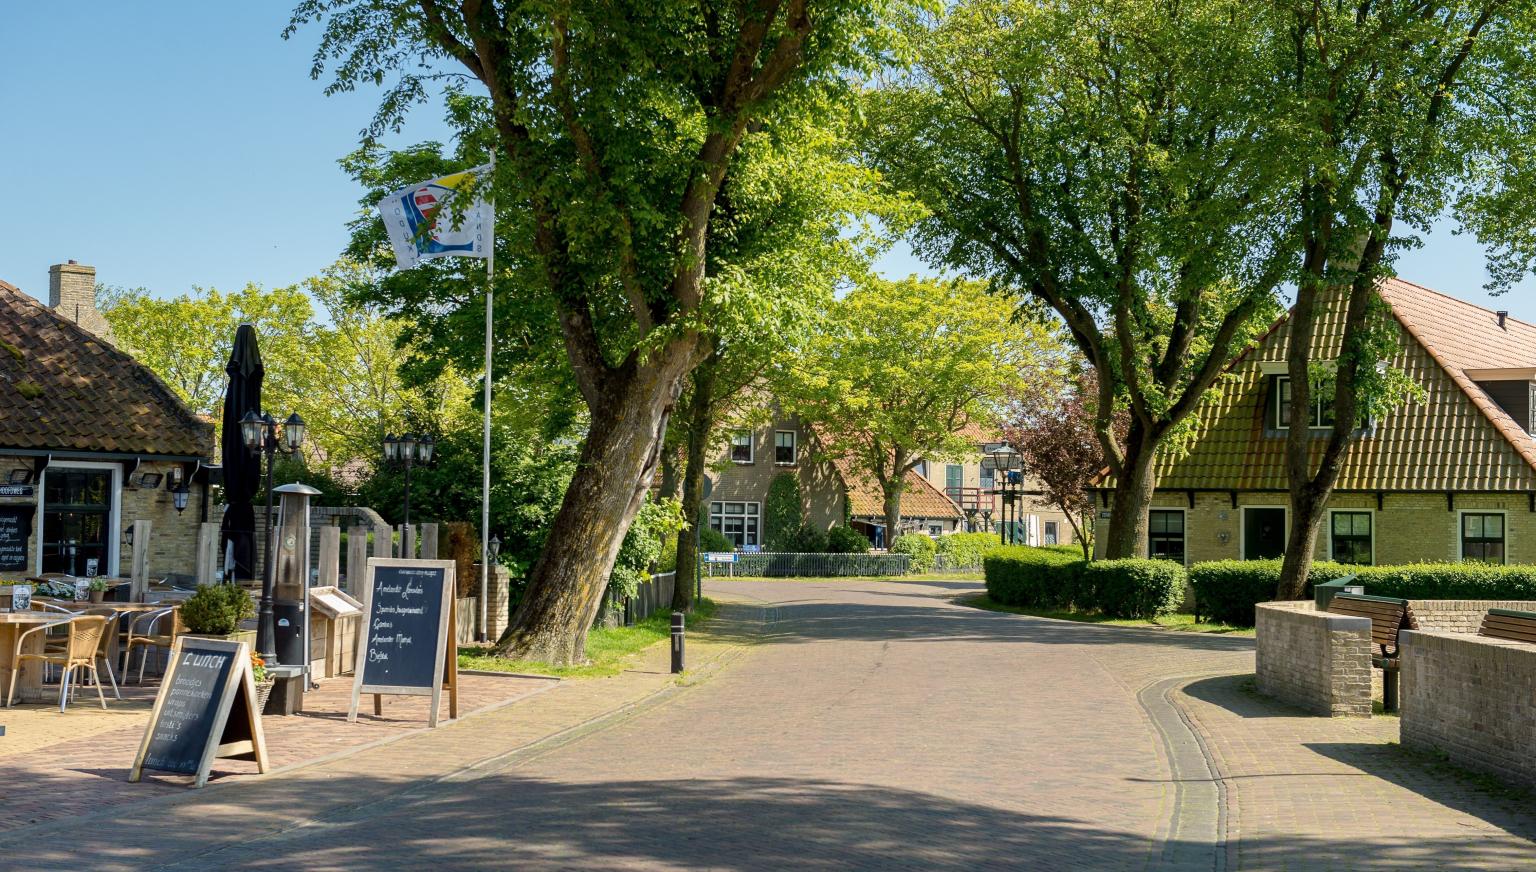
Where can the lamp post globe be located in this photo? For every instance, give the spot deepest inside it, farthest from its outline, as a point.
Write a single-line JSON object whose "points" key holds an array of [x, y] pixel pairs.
{"points": [[424, 449], [293, 432], [251, 427]]}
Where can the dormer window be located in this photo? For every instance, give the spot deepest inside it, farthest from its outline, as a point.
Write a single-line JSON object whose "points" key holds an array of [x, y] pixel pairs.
{"points": [[1320, 415]]}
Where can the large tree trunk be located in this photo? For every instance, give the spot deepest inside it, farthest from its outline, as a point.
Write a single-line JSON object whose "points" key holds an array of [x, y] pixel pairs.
{"points": [[1134, 486], [700, 423], [618, 460], [892, 488]]}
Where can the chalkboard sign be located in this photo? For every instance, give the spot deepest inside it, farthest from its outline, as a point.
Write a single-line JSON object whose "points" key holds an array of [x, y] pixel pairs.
{"points": [[206, 708], [407, 641], [15, 530]]}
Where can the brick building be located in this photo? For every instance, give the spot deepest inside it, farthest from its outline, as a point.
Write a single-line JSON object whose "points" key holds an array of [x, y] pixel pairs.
{"points": [[1448, 479], [90, 441], [975, 487]]}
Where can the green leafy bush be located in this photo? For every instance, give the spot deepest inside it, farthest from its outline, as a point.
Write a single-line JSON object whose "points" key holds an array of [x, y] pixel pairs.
{"points": [[642, 545], [1227, 590], [965, 550], [217, 609], [1019, 575], [711, 539], [783, 513], [1135, 588], [919, 546], [846, 540], [809, 539], [784, 564]]}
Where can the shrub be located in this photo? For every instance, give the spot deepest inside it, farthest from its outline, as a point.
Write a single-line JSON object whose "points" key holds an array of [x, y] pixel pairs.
{"points": [[1019, 575], [1135, 588], [1227, 590], [809, 539], [846, 540], [783, 513], [217, 609], [1479, 581], [784, 564], [965, 550], [919, 546], [642, 545], [711, 539]]}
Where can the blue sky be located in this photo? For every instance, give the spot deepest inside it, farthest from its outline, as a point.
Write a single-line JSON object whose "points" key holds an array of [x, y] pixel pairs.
{"points": [[176, 144]]}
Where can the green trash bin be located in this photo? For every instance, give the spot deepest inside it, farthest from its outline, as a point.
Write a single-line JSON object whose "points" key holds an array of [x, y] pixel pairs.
{"points": [[1323, 593]]}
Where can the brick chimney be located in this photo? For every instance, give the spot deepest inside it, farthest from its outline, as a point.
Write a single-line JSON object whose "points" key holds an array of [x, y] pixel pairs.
{"points": [[72, 293]]}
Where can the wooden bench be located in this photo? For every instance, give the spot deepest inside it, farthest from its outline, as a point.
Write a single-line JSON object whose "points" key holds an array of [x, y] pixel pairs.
{"points": [[1388, 616], [1509, 624]]}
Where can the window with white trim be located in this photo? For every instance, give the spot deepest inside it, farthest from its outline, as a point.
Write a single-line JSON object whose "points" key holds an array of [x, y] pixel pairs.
{"points": [[741, 446], [1482, 537], [1052, 533], [784, 447], [1165, 534], [1351, 537], [738, 522], [1321, 415]]}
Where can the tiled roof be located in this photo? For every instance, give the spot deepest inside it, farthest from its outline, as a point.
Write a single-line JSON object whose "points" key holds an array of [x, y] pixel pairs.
{"points": [[1457, 440], [919, 500], [63, 388]]}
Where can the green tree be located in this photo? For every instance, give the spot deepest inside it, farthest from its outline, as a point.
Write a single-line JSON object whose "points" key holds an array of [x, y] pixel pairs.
{"points": [[783, 512], [615, 128], [903, 367], [1401, 112], [1113, 161]]}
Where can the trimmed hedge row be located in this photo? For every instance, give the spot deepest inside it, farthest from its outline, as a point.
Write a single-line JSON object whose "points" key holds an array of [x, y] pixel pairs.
{"points": [[918, 546], [1228, 590], [959, 551], [1050, 579], [786, 564]]}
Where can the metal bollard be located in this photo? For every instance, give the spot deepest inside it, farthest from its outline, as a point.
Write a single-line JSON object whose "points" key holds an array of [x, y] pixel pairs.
{"points": [[677, 642]]}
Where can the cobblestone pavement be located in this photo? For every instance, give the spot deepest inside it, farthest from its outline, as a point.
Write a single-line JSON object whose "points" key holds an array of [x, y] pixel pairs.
{"points": [[875, 726]]}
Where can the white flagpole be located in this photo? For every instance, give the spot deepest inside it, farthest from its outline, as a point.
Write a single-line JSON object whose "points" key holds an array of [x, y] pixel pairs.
{"points": [[485, 458]]}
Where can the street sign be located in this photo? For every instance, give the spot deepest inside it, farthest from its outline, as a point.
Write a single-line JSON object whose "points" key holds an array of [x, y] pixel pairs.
{"points": [[719, 557]]}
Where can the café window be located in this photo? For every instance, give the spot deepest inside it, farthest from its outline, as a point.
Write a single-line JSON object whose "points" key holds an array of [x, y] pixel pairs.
{"points": [[741, 446], [1351, 536], [738, 522], [1321, 411], [1482, 537], [1165, 534], [77, 518], [784, 447]]}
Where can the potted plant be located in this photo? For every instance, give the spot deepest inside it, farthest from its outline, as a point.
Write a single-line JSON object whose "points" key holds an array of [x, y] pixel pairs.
{"points": [[97, 589], [264, 682], [216, 610]]}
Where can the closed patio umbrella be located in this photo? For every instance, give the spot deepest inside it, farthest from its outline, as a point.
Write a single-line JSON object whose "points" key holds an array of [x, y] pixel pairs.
{"points": [[242, 468]]}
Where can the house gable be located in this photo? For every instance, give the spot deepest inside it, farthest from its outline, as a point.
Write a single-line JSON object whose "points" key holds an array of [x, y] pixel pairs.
{"points": [[1457, 439]]}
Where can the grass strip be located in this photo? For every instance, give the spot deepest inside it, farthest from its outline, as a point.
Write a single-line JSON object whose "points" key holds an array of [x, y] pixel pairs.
{"points": [[609, 649], [1181, 622]]}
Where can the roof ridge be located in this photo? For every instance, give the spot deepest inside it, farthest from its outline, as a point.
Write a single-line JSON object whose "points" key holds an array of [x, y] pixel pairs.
{"points": [[1468, 303]]}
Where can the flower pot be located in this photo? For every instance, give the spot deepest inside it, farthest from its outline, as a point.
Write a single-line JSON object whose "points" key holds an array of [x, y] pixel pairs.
{"points": [[263, 693], [98, 595]]}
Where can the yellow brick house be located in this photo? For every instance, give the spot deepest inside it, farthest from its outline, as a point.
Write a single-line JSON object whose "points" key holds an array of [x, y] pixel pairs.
{"points": [[1450, 478]]}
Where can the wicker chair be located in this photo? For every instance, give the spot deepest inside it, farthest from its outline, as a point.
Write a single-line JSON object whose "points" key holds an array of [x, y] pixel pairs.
{"points": [[148, 630], [85, 634], [103, 651]]}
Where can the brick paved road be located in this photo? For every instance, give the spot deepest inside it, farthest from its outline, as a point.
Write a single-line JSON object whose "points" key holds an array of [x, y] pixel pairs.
{"points": [[880, 726]]}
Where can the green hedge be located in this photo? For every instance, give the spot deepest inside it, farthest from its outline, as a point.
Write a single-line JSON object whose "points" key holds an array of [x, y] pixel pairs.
{"points": [[1135, 588], [1228, 590], [785, 564], [918, 546], [960, 551], [1018, 575]]}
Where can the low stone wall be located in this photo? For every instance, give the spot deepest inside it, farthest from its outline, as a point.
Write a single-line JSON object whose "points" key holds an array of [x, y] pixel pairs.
{"points": [[1460, 616], [1314, 660], [1473, 699]]}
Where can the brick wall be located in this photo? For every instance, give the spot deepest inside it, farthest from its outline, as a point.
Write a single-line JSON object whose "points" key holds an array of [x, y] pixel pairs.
{"points": [[1460, 616], [1473, 699], [1314, 660]]}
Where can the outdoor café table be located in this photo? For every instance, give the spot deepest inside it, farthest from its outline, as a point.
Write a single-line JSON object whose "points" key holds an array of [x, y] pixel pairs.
{"points": [[125, 610], [29, 685]]}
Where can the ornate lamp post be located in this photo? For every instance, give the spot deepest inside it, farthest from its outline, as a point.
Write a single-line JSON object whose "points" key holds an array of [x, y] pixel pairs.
{"points": [[408, 449], [259, 433], [1005, 459]]}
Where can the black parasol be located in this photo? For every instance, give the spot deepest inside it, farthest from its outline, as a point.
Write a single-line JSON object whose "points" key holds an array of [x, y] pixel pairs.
{"points": [[242, 468]]}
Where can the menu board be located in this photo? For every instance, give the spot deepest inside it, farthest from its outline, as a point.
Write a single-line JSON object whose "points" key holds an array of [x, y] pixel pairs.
{"points": [[206, 708], [15, 530], [406, 644]]}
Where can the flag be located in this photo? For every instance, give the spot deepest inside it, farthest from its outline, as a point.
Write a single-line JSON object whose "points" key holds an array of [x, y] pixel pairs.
{"points": [[421, 220]]}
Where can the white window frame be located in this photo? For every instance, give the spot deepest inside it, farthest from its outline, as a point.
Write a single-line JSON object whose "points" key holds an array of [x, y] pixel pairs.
{"points": [[1181, 510], [1274, 408], [1046, 532], [751, 448], [794, 448], [1460, 541], [114, 515], [1362, 511], [750, 509], [1242, 527]]}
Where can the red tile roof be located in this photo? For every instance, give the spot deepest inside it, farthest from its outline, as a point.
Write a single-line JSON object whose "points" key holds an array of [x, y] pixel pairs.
{"points": [[66, 389], [919, 500]]}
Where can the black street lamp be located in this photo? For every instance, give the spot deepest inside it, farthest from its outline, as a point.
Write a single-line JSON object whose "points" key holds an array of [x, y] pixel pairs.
{"points": [[1006, 460], [408, 449], [259, 433]]}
